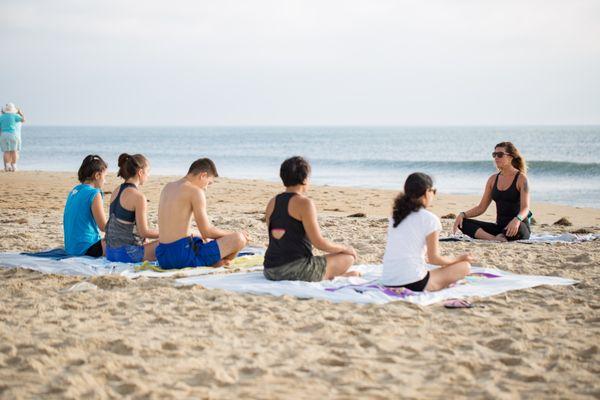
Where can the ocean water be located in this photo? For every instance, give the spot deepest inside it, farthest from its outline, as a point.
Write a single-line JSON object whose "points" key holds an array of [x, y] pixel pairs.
{"points": [[564, 161]]}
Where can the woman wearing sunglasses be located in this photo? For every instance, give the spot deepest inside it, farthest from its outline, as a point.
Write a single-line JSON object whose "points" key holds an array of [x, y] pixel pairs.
{"points": [[510, 190], [413, 233]]}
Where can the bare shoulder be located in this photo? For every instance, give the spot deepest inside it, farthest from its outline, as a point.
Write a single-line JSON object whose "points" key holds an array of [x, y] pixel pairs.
{"points": [[522, 177], [193, 193], [133, 192], [138, 195], [491, 180], [271, 205], [303, 202], [523, 182]]}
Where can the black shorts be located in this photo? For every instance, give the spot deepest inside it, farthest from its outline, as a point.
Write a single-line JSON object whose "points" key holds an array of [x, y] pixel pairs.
{"points": [[95, 250], [417, 286]]}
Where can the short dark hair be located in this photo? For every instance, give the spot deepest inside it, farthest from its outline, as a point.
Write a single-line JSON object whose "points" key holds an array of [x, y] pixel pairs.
{"points": [[91, 164], [294, 171], [129, 165], [203, 165]]}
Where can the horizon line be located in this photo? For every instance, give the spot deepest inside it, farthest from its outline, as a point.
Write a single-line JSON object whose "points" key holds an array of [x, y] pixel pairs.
{"points": [[319, 125]]}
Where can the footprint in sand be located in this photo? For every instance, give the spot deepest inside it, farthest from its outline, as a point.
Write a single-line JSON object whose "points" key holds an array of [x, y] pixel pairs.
{"points": [[209, 378], [511, 361], [252, 372], [77, 362], [332, 362], [169, 346], [126, 388], [581, 258], [502, 345], [589, 352], [310, 328], [119, 347]]}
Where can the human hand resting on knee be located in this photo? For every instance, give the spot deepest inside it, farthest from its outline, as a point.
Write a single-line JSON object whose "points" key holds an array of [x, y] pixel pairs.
{"points": [[350, 251], [513, 227], [458, 222], [468, 257]]}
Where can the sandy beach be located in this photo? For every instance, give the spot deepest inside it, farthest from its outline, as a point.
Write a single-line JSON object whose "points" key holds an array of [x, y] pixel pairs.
{"points": [[147, 339]]}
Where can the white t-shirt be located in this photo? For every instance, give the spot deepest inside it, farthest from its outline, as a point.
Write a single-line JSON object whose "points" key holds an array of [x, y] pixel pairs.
{"points": [[404, 259]]}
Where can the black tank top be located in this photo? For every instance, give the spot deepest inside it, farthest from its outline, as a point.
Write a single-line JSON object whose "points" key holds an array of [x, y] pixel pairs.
{"points": [[294, 243], [508, 202], [117, 209]]}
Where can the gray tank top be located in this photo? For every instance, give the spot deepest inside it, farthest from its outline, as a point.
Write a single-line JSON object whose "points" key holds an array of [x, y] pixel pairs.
{"points": [[119, 233]]}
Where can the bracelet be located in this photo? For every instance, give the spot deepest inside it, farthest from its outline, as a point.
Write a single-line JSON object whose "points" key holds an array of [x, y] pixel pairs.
{"points": [[519, 218], [464, 214]]}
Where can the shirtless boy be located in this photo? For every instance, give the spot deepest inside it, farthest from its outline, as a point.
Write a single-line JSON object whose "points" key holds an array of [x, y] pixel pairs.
{"points": [[179, 201]]}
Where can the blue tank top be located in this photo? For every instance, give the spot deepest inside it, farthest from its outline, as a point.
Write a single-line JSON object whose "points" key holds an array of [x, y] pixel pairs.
{"points": [[80, 228]]}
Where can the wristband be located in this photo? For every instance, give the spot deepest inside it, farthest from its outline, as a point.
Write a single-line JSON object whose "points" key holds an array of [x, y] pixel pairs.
{"points": [[519, 218], [464, 214]]}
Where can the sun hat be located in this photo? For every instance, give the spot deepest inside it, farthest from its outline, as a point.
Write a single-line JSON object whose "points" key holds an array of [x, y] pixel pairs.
{"points": [[10, 108]]}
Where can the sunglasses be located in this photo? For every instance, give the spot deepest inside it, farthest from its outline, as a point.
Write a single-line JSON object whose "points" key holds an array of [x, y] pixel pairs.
{"points": [[499, 154]]}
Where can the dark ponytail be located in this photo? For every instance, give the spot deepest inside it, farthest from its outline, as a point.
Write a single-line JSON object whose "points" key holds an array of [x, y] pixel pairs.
{"points": [[91, 165], [129, 165], [415, 187]]}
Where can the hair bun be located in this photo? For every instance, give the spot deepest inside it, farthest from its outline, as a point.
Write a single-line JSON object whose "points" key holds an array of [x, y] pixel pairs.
{"points": [[123, 159]]}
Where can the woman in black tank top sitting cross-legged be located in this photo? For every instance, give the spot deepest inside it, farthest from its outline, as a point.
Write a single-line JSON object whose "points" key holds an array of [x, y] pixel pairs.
{"points": [[509, 189], [291, 219]]}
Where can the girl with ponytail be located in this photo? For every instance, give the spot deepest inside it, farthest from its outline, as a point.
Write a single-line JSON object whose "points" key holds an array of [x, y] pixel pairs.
{"points": [[509, 188], [84, 217], [413, 232], [127, 229]]}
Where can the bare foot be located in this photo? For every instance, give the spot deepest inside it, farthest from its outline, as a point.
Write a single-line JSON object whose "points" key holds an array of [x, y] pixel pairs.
{"points": [[220, 263], [501, 238], [352, 273]]}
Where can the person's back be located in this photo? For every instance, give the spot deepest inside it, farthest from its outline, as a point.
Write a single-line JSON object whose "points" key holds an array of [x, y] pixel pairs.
{"points": [[127, 230], [287, 238], [80, 229], [413, 235], [83, 216], [178, 247], [293, 228], [9, 121], [175, 211], [10, 136], [404, 258], [121, 228]]}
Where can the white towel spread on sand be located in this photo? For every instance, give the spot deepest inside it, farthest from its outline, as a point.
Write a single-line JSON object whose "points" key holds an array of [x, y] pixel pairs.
{"points": [[482, 282], [87, 266], [536, 238]]}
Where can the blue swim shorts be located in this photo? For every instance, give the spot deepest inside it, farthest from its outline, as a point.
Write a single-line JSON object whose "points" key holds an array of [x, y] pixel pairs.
{"points": [[187, 252], [127, 254]]}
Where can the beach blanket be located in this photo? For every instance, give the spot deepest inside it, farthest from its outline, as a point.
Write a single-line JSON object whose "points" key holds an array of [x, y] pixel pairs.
{"points": [[55, 254], [534, 238], [59, 253], [88, 266], [482, 282]]}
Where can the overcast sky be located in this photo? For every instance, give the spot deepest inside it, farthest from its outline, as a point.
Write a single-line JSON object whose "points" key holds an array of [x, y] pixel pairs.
{"points": [[372, 62]]}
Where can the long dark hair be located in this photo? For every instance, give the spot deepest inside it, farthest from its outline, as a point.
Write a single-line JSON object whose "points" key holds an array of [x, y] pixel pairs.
{"points": [[416, 185]]}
